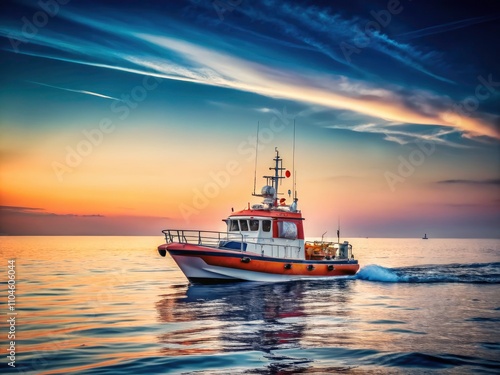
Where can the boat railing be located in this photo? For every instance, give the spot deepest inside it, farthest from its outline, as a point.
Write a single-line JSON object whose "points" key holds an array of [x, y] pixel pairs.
{"points": [[205, 238], [231, 241], [277, 250]]}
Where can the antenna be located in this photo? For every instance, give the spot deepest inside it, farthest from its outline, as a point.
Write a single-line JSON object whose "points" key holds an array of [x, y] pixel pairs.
{"points": [[293, 163], [256, 153], [295, 187], [338, 231]]}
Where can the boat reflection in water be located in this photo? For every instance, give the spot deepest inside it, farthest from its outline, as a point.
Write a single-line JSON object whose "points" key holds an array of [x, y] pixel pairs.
{"points": [[258, 319]]}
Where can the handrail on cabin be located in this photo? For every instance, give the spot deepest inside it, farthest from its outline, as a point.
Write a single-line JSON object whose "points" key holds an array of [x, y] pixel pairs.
{"points": [[219, 239], [201, 237]]}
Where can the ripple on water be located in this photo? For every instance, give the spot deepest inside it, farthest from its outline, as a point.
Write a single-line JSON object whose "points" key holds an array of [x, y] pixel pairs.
{"points": [[483, 319], [490, 345], [221, 363], [386, 321], [398, 330], [433, 361]]}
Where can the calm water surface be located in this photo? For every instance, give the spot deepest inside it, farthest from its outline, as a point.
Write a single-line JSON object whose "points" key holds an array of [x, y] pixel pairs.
{"points": [[107, 305]]}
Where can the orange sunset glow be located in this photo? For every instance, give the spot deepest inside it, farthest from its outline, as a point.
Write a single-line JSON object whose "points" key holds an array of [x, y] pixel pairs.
{"points": [[157, 126]]}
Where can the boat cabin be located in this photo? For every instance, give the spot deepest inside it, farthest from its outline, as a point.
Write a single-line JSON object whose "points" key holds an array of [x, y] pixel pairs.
{"points": [[268, 232]]}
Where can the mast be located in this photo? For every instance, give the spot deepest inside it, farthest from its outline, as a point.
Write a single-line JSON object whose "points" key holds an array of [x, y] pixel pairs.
{"points": [[276, 172], [293, 164], [278, 175], [256, 154]]}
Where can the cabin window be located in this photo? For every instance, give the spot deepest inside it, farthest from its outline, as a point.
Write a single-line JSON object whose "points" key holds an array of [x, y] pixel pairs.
{"points": [[244, 225], [266, 225], [287, 229], [254, 225], [233, 226]]}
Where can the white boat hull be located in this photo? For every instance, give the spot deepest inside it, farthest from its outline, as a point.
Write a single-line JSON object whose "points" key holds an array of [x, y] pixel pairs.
{"points": [[201, 265]]}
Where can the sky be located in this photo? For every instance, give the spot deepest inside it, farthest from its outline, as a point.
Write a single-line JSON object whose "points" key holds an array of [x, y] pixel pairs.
{"points": [[126, 118]]}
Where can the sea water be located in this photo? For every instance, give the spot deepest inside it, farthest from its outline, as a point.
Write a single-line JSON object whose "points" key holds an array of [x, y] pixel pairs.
{"points": [[108, 305]]}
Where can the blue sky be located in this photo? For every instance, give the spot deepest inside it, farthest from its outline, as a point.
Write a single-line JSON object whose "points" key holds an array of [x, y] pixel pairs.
{"points": [[183, 84]]}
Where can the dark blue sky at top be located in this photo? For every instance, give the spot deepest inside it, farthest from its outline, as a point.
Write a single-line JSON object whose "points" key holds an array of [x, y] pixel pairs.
{"points": [[437, 47], [465, 30]]}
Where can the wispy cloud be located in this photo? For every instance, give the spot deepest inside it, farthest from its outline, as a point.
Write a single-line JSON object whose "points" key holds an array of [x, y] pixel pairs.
{"points": [[491, 181], [393, 133], [186, 58], [73, 90], [322, 31], [446, 27], [22, 221], [34, 211], [20, 209], [395, 104]]}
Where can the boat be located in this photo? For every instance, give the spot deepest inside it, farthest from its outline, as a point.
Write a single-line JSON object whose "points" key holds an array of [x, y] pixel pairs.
{"points": [[425, 237], [264, 242]]}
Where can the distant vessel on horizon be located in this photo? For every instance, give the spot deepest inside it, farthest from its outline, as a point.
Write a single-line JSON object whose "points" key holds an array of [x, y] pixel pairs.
{"points": [[425, 237]]}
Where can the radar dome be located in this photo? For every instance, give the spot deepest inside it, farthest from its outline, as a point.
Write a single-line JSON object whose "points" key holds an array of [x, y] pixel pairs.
{"points": [[268, 191]]}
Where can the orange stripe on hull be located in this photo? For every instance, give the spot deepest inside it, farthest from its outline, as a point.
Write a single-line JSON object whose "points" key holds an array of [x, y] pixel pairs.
{"points": [[274, 267], [221, 259]]}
